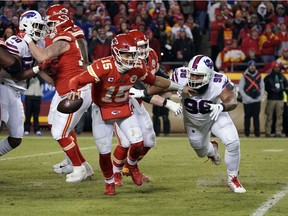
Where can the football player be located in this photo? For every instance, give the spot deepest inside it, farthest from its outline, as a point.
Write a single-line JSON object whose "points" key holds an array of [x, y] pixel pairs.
{"points": [[149, 56], [65, 48], [65, 166], [206, 112], [16, 57], [112, 77]]}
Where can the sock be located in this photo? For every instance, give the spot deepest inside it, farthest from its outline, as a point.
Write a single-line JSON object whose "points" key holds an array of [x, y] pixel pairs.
{"points": [[4, 147], [106, 166], [120, 155], [211, 151], [143, 152], [73, 136], [70, 149], [134, 152]]}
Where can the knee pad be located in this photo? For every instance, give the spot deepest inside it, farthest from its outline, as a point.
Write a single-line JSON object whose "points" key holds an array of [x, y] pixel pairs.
{"points": [[14, 142], [199, 148], [104, 146], [233, 147]]}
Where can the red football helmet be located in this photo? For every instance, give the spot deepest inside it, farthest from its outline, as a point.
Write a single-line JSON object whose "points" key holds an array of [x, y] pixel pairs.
{"points": [[142, 43], [58, 23], [125, 52], [56, 9]]}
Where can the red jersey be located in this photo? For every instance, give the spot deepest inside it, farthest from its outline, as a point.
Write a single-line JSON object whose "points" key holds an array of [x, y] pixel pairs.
{"points": [[152, 64], [111, 88], [76, 31], [69, 63]]}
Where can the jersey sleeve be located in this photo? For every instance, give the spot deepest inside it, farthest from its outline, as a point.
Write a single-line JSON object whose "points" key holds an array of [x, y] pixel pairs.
{"points": [[16, 46], [63, 36], [77, 32], [180, 76]]}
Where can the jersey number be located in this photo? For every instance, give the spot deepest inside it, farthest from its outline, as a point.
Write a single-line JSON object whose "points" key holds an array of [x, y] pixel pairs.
{"points": [[121, 95], [195, 107]]}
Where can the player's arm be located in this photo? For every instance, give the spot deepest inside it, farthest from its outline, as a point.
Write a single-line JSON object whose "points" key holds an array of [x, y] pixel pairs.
{"points": [[11, 63], [229, 102], [54, 50], [82, 79], [228, 97], [84, 51]]}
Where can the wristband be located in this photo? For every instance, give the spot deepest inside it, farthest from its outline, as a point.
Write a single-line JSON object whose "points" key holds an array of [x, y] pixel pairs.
{"points": [[175, 86], [36, 69], [224, 107], [164, 102], [145, 93]]}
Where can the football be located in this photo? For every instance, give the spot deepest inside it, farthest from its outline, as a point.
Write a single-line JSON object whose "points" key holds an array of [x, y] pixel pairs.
{"points": [[69, 106]]}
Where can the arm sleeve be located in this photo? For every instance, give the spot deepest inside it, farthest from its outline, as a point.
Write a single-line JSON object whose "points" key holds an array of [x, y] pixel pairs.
{"points": [[162, 73], [141, 86], [82, 79]]}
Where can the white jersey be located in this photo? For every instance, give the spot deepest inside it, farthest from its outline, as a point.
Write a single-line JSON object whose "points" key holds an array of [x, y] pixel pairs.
{"points": [[17, 46], [195, 109]]}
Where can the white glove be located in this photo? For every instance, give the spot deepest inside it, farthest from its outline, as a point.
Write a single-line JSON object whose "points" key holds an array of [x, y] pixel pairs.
{"points": [[216, 109], [175, 107], [136, 93], [27, 38]]}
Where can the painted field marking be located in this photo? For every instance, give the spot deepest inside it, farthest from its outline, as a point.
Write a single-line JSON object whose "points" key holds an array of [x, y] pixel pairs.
{"points": [[271, 202]]}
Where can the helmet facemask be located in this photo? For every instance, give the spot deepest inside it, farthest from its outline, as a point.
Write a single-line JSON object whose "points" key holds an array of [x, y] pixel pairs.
{"points": [[143, 49], [197, 79], [125, 60]]}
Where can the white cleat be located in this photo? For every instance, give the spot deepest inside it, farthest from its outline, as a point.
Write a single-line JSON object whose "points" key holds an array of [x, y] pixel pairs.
{"points": [[89, 169], [79, 174], [216, 159], [64, 167], [235, 185]]}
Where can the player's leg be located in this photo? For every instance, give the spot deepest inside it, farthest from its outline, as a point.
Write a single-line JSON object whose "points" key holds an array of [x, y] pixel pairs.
{"points": [[103, 134], [120, 154], [131, 127], [199, 139], [12, 113], [225, 130]]}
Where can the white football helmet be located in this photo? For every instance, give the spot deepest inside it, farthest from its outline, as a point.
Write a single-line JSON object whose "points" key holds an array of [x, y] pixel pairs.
{"points": [[32, 24], [200, 70]]}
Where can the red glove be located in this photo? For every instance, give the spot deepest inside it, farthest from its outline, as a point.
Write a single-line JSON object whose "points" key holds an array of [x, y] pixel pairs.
{"points": [[50, 66]]}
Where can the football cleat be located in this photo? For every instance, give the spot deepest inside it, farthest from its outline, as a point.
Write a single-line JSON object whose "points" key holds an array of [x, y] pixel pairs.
{"points": [[235, 185], [89, 169], [110, 189], [64, 167], [126, 172], [135, 174], [216, 159], [118, 179], [79, 174], [64, 170]]}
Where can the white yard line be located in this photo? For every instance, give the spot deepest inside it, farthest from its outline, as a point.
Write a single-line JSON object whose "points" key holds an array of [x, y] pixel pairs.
{"points": [[271, 202], [42, 154]]}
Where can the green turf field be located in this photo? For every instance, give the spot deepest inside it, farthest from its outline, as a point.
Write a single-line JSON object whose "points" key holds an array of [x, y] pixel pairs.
{"points": [[182, 184]]}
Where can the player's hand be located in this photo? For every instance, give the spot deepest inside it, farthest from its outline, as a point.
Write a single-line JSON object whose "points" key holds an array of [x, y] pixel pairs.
{"points": [[175, 107], [27, 38], [136, 93], [187, 90], [216, 109], [74, 95]]}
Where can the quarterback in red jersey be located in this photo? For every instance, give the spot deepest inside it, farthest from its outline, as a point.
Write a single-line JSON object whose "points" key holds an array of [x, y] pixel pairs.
{"points": [[149, 56], [65, 49], [112, 78]]}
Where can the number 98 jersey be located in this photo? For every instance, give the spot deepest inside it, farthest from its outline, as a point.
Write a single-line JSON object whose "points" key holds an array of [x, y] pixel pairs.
{"points": [[195, 108]]}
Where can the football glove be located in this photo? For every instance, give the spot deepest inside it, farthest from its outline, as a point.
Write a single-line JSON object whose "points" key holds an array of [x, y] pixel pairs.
{"points": [[136, 93], [175, 107], [216, 109]]}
